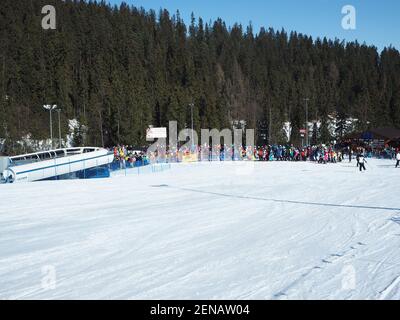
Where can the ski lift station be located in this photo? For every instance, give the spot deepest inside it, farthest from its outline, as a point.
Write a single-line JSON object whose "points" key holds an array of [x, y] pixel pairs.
{"points": [[72, 163]]}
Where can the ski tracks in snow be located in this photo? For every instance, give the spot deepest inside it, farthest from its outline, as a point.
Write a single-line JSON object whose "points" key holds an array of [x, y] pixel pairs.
{"points": [[390, 290], [325, 262], [394, 287]]}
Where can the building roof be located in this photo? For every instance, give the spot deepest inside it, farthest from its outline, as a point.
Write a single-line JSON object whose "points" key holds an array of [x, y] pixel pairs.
{"points": [[384, 133], [387, 133]]}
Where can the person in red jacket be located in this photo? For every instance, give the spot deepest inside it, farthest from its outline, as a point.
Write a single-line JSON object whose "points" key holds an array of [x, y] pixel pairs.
{"points": [[261, 154]]}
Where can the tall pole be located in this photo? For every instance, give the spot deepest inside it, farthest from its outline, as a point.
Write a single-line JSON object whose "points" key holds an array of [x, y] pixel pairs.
{"points": [[50, 108], [270, 126], [59, 127], [51, 129], [191, 111], [307, 140]]}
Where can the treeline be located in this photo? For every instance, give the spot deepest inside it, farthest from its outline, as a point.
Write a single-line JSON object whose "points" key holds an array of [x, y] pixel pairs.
{"points": [[119, 69]]}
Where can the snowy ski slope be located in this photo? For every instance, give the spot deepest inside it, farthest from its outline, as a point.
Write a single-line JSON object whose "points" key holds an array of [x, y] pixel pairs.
{"points": [[206, 231]]}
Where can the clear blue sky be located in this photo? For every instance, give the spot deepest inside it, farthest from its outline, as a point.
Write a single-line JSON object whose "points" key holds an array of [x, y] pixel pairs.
{"points": [[378, 22]]}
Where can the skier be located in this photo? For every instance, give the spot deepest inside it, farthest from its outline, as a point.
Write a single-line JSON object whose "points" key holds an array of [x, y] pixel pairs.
{"points": [[222, 153], [398, 159], [361, 162], [265, 154], [256, 158], [260, 154], [321, 159], [358, 159]]}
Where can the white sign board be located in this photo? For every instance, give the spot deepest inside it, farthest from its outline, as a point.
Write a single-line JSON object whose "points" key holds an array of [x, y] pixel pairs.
{"points": [[156, 133]]}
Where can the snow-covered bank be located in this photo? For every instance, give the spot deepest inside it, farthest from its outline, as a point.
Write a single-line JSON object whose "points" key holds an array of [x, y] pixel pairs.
{"points": [[206, 231]]}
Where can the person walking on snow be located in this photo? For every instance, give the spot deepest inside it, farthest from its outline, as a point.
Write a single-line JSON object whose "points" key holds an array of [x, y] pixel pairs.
{"points": [[358, 159], [398, 159], [361, 162]]}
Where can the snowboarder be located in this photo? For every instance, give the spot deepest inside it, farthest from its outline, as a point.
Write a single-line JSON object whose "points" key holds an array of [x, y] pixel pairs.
{"points": [[398, 159], [361, 162]]}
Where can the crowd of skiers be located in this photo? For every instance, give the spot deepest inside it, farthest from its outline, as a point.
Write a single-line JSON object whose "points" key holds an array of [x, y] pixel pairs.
{"points": [[126, 156], [320, 154]]}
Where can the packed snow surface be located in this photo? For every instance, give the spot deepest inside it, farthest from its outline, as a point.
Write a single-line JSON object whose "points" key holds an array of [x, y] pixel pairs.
{"points": [[206, 231]]}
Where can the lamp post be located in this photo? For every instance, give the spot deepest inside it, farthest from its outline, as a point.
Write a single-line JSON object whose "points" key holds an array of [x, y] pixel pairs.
{"points": [[50, 108], [59, 126]]}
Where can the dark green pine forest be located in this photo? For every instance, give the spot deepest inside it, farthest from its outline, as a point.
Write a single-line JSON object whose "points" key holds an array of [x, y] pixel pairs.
{"points": [[119, 69]]}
